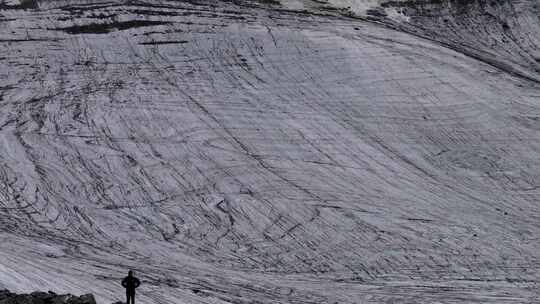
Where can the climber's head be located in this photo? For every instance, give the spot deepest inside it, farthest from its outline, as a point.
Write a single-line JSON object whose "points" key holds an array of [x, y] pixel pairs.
{"points": [[130, 273]]}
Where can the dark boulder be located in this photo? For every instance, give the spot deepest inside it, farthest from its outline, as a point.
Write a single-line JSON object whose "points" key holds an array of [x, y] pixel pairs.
{"points": [[5, 294], [39, 297]]}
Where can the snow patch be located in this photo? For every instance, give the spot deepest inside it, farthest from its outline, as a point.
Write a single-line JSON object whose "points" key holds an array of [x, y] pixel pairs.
{"points": [[356, 6], [293, 4], [397, 14]]}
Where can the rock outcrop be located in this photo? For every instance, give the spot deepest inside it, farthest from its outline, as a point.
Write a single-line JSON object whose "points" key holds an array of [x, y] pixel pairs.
{"points": [[39, 297]]}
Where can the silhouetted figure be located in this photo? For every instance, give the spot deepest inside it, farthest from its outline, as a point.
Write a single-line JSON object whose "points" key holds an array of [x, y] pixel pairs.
{"points": [[130, 283]]}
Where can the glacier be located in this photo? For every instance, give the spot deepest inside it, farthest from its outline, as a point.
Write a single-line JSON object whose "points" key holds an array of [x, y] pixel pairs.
{"points": [[294, 151]]}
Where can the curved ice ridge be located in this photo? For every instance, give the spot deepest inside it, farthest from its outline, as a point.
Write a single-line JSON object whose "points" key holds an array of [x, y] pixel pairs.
{"points": [[503, 33]]}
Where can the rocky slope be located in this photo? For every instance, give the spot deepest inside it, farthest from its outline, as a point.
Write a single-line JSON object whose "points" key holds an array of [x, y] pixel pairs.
{"points": [[7, 297], [501, 32], [253, 152]]}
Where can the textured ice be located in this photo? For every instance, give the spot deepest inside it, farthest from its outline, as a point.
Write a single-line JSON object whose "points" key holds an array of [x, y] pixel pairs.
{"points": [[251, 152]]}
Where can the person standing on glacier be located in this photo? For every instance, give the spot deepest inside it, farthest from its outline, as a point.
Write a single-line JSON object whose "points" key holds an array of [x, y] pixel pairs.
{"points": [[130, 283]]}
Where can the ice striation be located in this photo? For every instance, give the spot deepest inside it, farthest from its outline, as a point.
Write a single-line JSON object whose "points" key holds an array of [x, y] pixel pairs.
{"points": [[271, 151]]}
